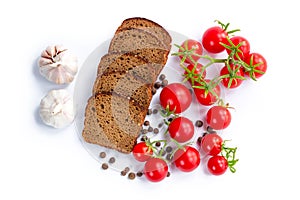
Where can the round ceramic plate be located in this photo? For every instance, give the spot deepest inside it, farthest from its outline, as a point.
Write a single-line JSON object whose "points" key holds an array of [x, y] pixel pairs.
{"points": [[173, 72]]}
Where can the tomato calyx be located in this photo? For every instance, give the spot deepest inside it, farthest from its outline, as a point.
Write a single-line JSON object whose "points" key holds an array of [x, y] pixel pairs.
{"points": [[208, 86], [232, 75], [251, 69], [186, 53], [229, 154], [192, 75], [225, 27]]}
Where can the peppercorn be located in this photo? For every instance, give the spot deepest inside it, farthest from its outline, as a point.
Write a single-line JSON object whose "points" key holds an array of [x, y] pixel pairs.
{"points": [[169, 149], [102, 154], [112, 160], [146, 123], [131, 175], [157, 85], [149, 112], [162, 77], [164, 83], [155, 130], [104, 166], [150, 129], [199, 123], [139, 174]]}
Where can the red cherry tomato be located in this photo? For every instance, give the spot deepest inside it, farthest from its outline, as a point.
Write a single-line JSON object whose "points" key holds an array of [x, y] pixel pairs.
{"points": [[212, 38], [218, 117], [211, 144], [176, 96], [257, 70], [245, 47], [142, 152], [187, 159], [189, 45], [193, 72], [210, 98], [181, 129], [155, 169], [217, 165], [234, 78]]}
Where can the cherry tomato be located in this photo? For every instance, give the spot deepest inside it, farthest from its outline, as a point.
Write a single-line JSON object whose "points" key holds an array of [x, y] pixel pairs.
{"points": [[212, 38], [189, 45], [193, 72], [142, 152], [181, 129], [176, 96], [217, 165], [218, 117], [245, 48], [211, 144], [155, 169], [187, 159], [210, 98], [234, 76], [257, 69]]}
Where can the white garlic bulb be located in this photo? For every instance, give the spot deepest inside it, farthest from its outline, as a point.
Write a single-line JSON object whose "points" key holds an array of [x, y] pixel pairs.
{"points": [[57, 109], [58, 65]]}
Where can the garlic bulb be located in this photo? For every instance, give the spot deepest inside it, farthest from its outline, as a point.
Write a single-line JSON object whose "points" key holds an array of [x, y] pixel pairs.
{"points": [[57, 109], [58, 65]]}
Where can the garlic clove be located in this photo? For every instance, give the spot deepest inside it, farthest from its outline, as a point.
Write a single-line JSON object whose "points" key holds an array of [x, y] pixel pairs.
{"points": [[58, 65], [57, 108]]}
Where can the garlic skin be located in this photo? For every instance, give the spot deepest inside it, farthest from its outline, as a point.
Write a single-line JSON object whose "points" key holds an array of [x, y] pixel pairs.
{"points": [[57, 109], [58, 65]]}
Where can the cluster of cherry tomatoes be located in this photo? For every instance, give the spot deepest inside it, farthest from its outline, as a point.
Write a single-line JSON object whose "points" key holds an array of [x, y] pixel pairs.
{"points": [[175, 98]]}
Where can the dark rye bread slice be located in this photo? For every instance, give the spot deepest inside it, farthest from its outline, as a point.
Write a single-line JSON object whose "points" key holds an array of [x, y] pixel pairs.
{"points": [[146, 25], [126, 85], [142, 43], [113, 122], [117, 61]]}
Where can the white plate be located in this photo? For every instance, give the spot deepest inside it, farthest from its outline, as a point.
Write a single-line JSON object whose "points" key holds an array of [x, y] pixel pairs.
{"points": [[83, 90]]}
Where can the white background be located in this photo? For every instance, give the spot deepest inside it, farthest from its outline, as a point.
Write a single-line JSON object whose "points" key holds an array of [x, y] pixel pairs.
{"points": [[38, 162]]}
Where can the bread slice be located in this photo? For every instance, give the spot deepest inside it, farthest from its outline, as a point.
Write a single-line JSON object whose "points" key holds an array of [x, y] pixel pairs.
{"points": [[146, 25], [139, 67], [113, 122], [131, 40], [126, 85]]}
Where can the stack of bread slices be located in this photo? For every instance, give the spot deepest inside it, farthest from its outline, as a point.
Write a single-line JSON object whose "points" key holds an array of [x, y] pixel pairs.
{"points": [[122, 91]]}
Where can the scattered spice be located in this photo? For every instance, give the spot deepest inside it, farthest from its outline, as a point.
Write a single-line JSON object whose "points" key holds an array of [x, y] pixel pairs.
{"points": [[157, 85], [210, 129], [199, 140], [169, 149], [139, 174], [123, 173], [144, 138], [168, 174], [157, 144], [162, 77], [155, 111], [199, 123], [164, 83], [160, 125], [155, 130], [146, 123], [144, 131], [127, 169], [150, 129], [169, 157], [131, 175], [104, 166], [149, 112], [112, 160], [102, 155]]}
